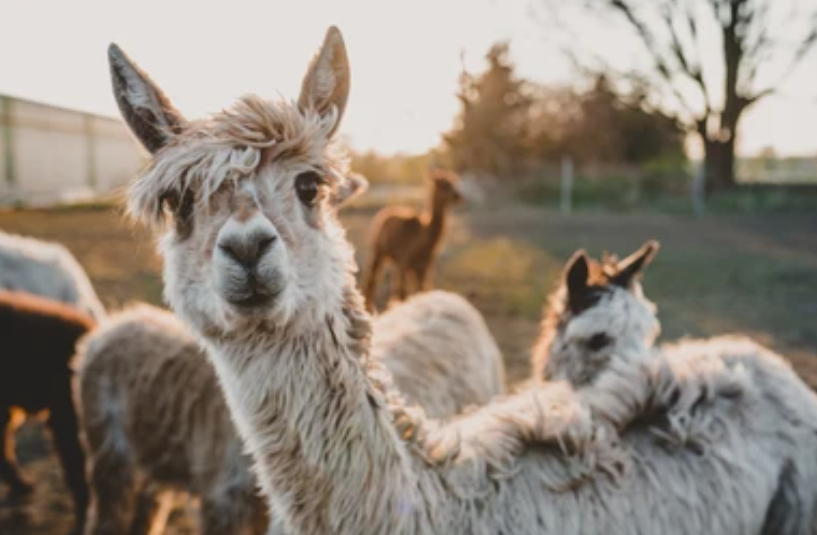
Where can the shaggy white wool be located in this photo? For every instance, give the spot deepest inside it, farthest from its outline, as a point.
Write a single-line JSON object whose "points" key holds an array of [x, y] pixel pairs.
{"points": [[440, 352]]}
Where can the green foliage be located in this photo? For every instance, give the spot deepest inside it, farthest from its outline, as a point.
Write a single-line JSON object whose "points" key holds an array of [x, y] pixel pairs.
{"points": [[508, 126]]}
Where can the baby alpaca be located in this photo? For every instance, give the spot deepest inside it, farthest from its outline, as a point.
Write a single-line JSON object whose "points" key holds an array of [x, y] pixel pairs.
{"points": [[39, 338], [596, 315], [410, 240]]}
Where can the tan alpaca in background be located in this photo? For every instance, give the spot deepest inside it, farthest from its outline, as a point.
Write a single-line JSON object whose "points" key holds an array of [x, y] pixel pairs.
{"points": [[410, 240]]}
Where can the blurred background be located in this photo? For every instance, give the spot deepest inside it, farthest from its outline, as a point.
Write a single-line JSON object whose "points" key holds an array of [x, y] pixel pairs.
{"points": [[592, 123]]}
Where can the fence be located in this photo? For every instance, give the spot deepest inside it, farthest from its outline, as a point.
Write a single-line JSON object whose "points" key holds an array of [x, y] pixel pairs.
{"points": [[669, 186]]}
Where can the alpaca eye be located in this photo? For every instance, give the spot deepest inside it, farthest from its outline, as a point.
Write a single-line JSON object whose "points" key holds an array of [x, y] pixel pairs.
{"points": [[307, 185], [598, 341]]}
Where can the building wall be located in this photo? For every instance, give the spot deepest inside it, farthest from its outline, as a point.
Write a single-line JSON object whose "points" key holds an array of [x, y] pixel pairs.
{"points": [[50, 155]]}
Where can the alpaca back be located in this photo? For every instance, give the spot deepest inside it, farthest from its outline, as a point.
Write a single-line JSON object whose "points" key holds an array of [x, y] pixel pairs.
{"points": [[147, 388], [46, 269], [700, 442], [440, 353]]}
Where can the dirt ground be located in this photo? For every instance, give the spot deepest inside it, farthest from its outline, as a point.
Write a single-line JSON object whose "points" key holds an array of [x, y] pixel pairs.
{"points": [[751, 274]]}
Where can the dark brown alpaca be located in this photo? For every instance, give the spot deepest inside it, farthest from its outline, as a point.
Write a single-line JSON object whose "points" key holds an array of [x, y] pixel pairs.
{"points": [[411, 240], [39, 338]]}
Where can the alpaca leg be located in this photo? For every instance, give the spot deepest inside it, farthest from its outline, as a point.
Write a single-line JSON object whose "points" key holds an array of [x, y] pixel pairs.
{"points": [[424, 282], [402, 283], [375, 267], [9, 470], [64, 426], [113, 492], [152, 511]]}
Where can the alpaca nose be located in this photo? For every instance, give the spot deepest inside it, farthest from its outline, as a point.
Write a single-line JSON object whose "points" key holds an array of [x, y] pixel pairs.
{"points": [[248, 250]]}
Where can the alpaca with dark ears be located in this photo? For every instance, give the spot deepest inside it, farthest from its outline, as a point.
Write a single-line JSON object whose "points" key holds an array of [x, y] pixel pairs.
{"points": [[39, 338], [598, 313], [409, 240], [258, 267]]}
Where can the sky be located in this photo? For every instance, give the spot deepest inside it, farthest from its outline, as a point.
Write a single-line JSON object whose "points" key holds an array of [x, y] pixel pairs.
{"points": [[406, 57]]}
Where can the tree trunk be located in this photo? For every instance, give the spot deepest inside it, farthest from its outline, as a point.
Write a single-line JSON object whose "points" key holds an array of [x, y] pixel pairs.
{"points": [[719, 163]]}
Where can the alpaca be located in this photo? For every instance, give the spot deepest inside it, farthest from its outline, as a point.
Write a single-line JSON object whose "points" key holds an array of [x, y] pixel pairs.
{"points": [[440, 353], [141, 368], [46, 269], [597, 313], [411, 240], [257, 265], [599, 320], [39, 338], [155, 421]]}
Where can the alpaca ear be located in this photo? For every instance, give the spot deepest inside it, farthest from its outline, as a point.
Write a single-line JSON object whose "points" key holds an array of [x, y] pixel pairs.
{"points": [[145, 108], [633, 266], [352, 186], [326, 84], [577, 273]]}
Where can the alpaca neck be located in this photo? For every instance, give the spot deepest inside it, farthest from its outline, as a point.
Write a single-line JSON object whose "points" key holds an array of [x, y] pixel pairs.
{"points": [[328, 456], [437, 220]]}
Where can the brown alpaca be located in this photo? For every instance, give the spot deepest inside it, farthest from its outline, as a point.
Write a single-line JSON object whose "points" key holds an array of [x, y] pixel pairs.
{"points": [[411, 240], [39, 338]]}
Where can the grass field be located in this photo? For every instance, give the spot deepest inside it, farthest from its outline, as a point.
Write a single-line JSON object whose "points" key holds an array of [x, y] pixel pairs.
{"points": [[750, 274]]}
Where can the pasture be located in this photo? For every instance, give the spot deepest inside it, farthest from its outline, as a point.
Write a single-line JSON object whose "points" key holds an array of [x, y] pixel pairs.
{"points": [[752, 274]]}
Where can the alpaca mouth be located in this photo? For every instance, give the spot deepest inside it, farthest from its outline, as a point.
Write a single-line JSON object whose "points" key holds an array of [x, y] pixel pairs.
{"points": [[253, 300], [252, 296]]}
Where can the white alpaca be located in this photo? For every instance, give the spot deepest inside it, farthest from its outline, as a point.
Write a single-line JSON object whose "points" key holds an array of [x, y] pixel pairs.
{"points": [[257, 264], [440, 352], [48, 270], [142, 369], [597, 314]]}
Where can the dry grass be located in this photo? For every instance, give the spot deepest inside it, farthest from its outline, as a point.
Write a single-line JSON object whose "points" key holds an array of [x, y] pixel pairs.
{"points": [[750, 274]]}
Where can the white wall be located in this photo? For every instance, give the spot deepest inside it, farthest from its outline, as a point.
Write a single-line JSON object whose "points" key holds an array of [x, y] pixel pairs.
{"points": [[63, 155]]}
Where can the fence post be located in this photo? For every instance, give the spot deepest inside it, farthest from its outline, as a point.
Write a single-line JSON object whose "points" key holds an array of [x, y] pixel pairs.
{"points": [[7, 134], [566, 189], [90, 150], [698, 189]]}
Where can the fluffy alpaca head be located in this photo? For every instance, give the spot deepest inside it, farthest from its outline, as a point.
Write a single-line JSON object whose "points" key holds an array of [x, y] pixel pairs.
{"points": [[597, 314], [445, 187], [247, 197]]}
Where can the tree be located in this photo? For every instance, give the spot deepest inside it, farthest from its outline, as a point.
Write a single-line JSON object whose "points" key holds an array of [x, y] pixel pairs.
{"points": [[489, 133], [707, 94], [612, 127]]}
